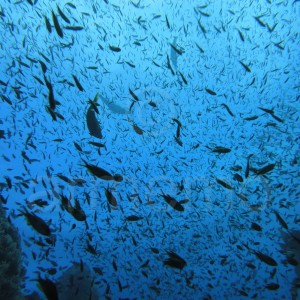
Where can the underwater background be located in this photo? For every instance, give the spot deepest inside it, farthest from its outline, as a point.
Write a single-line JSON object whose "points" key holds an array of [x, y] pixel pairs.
{"points": [[149, 149]]}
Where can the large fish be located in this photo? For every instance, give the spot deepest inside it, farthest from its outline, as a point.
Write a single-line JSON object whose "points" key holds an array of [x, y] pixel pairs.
{"points": [[113, 107], [93, 124]]}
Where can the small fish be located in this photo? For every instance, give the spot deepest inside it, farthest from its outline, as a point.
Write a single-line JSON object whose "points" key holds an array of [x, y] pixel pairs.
{"points": [[220, 149], [260, 22], [133, 218], [168, 23], [114, 48], [134, 96], [56, 25], [265, 169], [173, 202], [272, 286], [74, 28], [48, 25], [241, 35], [64, 17], [248, 166], [96, 144], [154, 250], [78, 83], [256, 227], [238, 177], [111, 199], [138, 130], [242, 197], [211, 92], [77, 146], [178, 51], [183, 78], [251, 118], [175, 261], [245, 66], [228, 109], [224, 184], [265, 258], [130, 64], [36, 222], [280, 220]]}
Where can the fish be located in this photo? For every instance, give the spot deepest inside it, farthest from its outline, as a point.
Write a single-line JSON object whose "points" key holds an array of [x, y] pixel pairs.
{"points": [[251, 118], [137, 129], [111, 199], [265, 258], [56, 25], [220, 149], [172, 202], [174, 261], [241, 35], [76, 211], [211, 92], [114, 107], [71, 5], [134, 96], [64, 17], [48, 25], [242, 197], [280, 220], [259, 21], [114, 48], [228, 109], [130, 64], [6, 99], [178, 51], [77, 146], [49, 288], [169, 65], [91, 249], [78, 83], [92, 123], [38, 224], [201, 50], [265, 169], [238, 177], [245, 66], [168, 23], [101, 173], [66, 179], [183, 78], [267, 110], [224, 184], [44, 69], [74, 28], [51, 99], [133, 218], [256, 227], [248, 166], [178, 141], [100, 145]]}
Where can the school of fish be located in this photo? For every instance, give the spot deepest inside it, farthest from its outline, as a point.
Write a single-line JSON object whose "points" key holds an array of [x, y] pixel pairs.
{"points": [[155, 143]]}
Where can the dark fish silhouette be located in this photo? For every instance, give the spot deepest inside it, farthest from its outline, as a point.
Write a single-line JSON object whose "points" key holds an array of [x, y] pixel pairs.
{"points": [[49, 288], [175, 261], [93, 124]]}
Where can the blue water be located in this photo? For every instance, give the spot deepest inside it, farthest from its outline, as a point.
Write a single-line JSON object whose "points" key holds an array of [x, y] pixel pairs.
{"points": [[234, 61]]}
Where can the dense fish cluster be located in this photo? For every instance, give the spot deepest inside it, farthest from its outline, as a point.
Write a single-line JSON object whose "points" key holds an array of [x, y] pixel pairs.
{"points": [[153, 145]]}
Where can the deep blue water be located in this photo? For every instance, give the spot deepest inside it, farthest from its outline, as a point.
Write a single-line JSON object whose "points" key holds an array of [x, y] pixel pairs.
{"points": [[179, 94]]}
